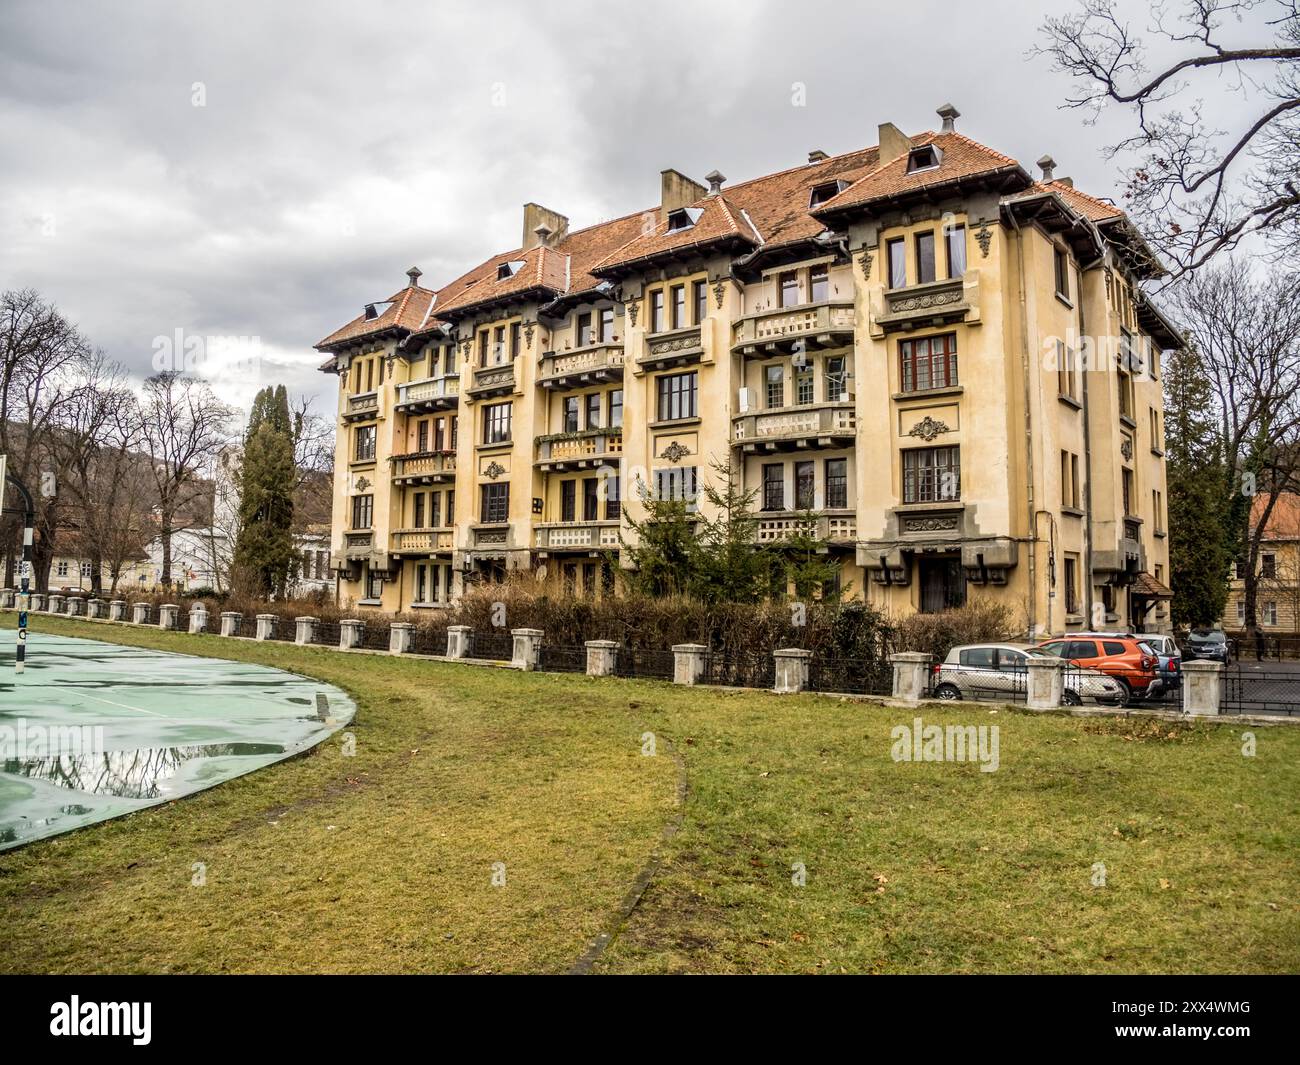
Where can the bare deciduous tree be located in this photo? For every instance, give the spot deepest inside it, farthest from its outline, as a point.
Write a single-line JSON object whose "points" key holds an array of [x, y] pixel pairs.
{"points": [[1194, 189], [184, 426]]}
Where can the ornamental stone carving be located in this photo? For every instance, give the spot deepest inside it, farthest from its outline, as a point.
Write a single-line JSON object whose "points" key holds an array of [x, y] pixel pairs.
{"points": [[719, 290], [632, 308], [494, 470], [937, 523], [1126, 448], [675, 452], [926, 301], [865, 262], [671, 344], [984, 237], [528, 333], [928, 428]]}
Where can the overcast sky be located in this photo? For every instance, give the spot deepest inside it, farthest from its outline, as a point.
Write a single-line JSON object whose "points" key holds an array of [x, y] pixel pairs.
{"points": [[338, 144]]}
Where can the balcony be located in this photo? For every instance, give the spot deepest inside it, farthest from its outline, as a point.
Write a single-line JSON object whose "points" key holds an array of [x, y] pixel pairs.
{"points": [[815, 325], [591, 365], [577, 536], [362, 405], [425, 467], [428, 394], [788, 428], [932, 304], [492, 381], [590, 449], [358, 544], [422, 541], [828, 526], [673, 347]]}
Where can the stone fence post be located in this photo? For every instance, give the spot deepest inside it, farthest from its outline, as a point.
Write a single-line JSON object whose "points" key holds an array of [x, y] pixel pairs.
{"points": [[350, 630], [601, 657], [401, 637], [1202, 687], [266, 626], [458, 641], [94, 608], [36, 602], [688, 662], [305, 630], [117, 610], [911, 670], [55, 603], [7, 598], [167, 615], [73, 606], [791, 669], [1044, 682], [140, 613], [230, 622], [525, 648], [198, 618]]}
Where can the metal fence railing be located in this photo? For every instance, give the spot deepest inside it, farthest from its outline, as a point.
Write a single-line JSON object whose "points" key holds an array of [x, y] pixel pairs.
{"points": [[1252, 689], [739, 670], [851, 676], [492, 646], [649, 663], [556, 659]]}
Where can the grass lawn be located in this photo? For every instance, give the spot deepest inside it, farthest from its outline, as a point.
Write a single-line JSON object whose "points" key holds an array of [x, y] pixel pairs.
{"points": [[383, 861]]}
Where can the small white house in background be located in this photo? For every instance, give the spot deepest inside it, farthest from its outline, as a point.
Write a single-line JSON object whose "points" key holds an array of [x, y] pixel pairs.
{"points": [[314, 574], [197, 554]]}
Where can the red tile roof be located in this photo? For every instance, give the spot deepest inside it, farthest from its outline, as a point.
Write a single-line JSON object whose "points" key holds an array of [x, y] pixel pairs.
{"points": [[767, 211], [1284, 521]]}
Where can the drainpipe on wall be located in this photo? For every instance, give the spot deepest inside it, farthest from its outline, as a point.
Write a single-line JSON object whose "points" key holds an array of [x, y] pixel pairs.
{"points": [[1029, 427], [1087, 467]]}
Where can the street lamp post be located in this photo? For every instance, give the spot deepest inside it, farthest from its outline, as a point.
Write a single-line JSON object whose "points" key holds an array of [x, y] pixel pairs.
{"points": [[25, 570]]}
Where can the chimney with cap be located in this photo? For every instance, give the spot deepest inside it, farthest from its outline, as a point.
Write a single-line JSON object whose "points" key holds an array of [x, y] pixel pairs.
{"points": [[414, 273], [677, 190], [536, 215], [715, 180], [543, 235], [949, 114], [817, 156], [893, 143], [1048, 165]]}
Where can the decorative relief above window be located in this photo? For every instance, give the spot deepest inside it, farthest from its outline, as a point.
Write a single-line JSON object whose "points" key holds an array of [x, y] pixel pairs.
{"points": [[928, 428]]}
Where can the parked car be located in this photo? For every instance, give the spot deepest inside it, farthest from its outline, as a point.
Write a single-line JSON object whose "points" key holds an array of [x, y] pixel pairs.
{"points": [[1133, 664], [1165, 648], [998, 670], [1208, 643]]}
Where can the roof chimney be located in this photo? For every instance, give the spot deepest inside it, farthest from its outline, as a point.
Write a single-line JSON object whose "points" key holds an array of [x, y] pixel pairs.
{"points": [[1048, 165], [817, 156], [543, 235], [715, 181], [893, 143], [536, 215], [677, 190], [949, 114], [414, 274]]}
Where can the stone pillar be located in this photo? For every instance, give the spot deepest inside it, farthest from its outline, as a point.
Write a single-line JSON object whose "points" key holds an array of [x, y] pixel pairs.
{"points": [[117, 610], [688, 662], [458, 641], [140, 613], [305, 629], [55, 603], [230, 622], [524, 651], [1044, 682], [791, 669], [911, 675], [198, 618], [1202, 687], [601, 657], [401, 637], [167, 614], [36, 602], [73, 606], [350, 633], [94, 608], [266, 626], [7, 598]]}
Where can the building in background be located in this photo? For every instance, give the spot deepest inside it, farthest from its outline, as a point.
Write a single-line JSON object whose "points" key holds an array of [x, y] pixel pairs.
{"points": [[1277, 598], [947, 362]]}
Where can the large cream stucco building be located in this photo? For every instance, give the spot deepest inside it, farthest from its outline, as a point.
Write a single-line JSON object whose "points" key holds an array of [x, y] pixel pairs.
{"points": [[947, 360]]}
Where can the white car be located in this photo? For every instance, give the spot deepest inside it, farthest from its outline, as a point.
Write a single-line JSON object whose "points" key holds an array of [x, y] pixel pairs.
{"points": [[998, 671]]}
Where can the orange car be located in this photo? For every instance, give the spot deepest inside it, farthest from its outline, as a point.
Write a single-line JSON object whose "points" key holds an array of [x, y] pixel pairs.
{"points": [[1128, 660]]}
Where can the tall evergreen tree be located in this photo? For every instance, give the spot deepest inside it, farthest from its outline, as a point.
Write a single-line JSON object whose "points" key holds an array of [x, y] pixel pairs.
{"points": [[264, 552], [1200, 540], [731, 566]]}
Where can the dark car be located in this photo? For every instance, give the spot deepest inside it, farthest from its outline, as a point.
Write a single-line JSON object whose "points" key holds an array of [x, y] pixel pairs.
{"points": [[1209, 644]]}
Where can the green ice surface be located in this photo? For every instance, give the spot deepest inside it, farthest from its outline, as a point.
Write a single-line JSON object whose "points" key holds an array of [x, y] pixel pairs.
{"points": [[107, 729]]}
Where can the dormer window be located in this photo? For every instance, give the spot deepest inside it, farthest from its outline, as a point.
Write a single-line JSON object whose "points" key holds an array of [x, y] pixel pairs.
{"points": [[683, 218], [924, 157], [825, 191], [508, 270], [374, 310]]}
